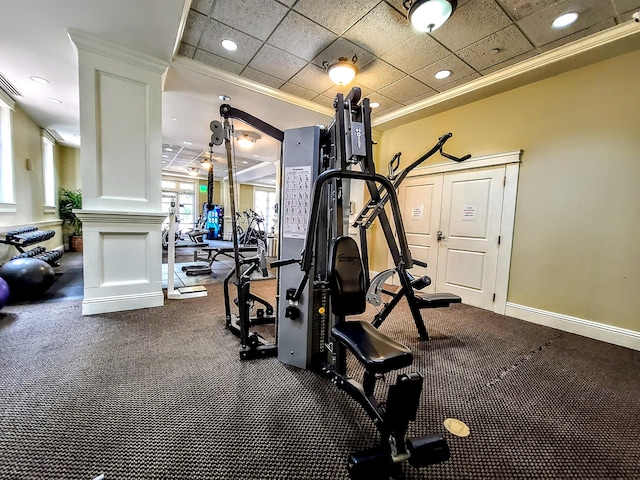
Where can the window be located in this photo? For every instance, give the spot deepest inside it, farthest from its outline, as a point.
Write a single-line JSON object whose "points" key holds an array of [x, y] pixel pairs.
{"points": [[48, 173], [7, 192], [264, 202], [183, 194]]}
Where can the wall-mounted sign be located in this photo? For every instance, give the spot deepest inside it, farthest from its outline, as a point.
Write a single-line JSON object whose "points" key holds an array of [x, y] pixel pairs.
{"points": [[469, 212]]}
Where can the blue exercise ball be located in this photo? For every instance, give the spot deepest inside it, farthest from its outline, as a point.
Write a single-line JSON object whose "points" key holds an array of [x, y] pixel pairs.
{"points": [[27, 277], [4, 293]]}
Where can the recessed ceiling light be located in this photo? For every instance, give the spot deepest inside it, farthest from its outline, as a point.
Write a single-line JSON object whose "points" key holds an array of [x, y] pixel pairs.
{"points": [[54, 100], [168, 149], [443, 74], [374, 104], [165, 156], [565, 20], [245, 162], [229, 45], [224, 98], [257, 156], [493, 51], [186, 143], [39, 79], [174, 119]]}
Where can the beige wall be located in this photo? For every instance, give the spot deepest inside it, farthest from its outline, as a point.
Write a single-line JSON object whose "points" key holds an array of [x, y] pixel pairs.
{"points": [[217, 194], [29, 186], [577, 227], [68, 167]]}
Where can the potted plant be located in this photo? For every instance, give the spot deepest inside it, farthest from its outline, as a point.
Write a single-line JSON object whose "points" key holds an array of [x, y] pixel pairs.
{"points": [[68, 201]]}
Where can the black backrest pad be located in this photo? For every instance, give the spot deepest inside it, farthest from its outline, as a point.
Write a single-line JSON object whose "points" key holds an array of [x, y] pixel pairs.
{"points": [[346, 278]]}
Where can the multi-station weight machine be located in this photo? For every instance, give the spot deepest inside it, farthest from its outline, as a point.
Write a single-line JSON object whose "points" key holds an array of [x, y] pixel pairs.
{"points": [[331, 281]]}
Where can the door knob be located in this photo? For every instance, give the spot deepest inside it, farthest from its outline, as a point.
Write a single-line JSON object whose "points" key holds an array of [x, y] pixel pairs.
{"points": [[440, 236]]}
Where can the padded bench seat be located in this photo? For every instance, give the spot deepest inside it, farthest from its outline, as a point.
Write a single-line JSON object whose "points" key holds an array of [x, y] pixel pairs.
{"points": [[377, 352], [436, 300]]}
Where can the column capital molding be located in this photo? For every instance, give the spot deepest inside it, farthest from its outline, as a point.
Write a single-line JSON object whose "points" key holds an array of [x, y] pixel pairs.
{"points": [[89, 43]]}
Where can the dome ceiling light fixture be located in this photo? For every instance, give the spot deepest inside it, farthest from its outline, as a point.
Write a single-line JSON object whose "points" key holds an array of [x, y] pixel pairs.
{"points": [[429, 15], [246, 139], [343, 71]]}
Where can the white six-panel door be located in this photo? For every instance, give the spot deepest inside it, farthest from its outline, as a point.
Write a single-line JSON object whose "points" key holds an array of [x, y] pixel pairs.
{"points": [[420, 202], [469, 238]]}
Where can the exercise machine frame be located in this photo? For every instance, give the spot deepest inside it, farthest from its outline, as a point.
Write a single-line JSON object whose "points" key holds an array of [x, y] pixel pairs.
{"points": [[333, 285]]}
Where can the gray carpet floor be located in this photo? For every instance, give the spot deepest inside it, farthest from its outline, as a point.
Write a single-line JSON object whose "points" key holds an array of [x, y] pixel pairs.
{"points": [[161, 394]]}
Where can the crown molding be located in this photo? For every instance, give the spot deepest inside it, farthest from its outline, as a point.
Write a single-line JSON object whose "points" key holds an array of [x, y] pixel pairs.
{"points": [[239, 81], [599, 46], [83, 41]]}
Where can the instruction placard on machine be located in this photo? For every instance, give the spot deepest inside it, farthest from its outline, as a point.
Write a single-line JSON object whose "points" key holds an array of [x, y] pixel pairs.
{"points": [[296, 199]]}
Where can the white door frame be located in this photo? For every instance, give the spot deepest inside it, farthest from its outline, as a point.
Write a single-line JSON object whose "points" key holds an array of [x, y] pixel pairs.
{"points": [[511, 161]]}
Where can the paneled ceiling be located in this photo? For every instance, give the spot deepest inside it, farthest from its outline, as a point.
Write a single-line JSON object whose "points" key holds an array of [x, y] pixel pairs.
{"points": [[283, 44]]}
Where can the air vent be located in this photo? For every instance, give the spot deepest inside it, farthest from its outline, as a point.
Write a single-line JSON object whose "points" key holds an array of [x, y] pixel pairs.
{"points": [[8, 88], [55, 135]]}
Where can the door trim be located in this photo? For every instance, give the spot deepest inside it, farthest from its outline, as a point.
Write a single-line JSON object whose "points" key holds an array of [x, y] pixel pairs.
{"points": [[474, 162], [511, 161]]}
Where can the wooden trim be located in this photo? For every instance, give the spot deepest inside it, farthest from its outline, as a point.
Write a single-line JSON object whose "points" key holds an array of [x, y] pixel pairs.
{"points": [[586, 328]]}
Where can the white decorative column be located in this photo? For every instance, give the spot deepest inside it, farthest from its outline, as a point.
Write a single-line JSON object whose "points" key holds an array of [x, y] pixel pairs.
{"points": [[121, 130]]}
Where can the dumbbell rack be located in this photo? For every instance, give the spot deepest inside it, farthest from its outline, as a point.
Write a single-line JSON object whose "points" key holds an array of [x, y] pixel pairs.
{"points": [[25, 237]]}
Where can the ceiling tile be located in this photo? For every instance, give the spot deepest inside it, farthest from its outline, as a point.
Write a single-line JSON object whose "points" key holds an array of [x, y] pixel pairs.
{"points": [[608, 23], [194, 27], [217, 61], [627, 16], [215, 32], [336, 15], [496, 48], [254, 17], [276, 62], [202, 6], [523, 8], [398, 5], [312, 78], [458, 68], [462, 81], [383, 111], [389, 26], [415, 52], [404, 89], [471, 22], [625, 6], [298, 91], [385, 102], [377, 75], [345, 89], [344, 48], [324, 100], [511, 61], [186, 50], [261, 77], [310, 37], [419, 98], [538, 27], [288, 3]]}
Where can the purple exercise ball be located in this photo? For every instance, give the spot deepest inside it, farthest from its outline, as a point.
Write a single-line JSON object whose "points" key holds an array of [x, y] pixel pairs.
{"points": [[27, 277], [4, 293]]}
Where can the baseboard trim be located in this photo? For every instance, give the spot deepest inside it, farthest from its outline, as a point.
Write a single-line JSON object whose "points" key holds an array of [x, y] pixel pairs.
{"points": [[598, 331], [93, 306]]}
